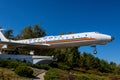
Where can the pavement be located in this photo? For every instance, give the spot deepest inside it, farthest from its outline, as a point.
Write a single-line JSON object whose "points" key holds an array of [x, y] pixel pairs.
{"points": [[40, 76]]}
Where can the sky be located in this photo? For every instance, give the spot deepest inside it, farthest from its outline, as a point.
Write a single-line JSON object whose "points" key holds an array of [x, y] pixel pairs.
{"points": [[57, 16]]}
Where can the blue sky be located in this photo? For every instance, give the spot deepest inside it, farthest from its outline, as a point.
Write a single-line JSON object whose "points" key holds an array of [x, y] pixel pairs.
{"points": [[66, 16]]}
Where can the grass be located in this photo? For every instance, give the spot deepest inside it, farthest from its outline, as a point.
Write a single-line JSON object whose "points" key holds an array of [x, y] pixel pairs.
{"points": [[7, 74], [81, 76], [55, 74], [78, 74]]}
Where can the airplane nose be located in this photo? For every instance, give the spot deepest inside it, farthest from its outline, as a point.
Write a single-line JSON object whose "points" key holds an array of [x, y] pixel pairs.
{"points": [[112, 38]]}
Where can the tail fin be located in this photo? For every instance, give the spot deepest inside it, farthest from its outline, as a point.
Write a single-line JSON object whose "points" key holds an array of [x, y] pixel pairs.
{"points": [[2, 37]]}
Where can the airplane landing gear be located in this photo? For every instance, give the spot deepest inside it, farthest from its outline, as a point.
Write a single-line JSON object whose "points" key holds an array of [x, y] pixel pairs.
{"points": [[95, 49]]}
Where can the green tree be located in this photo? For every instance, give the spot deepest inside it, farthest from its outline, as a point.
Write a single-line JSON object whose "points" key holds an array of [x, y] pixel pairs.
{"points": [[70, 32], [88, 61], [104, 66], [73, 57], [95, 64], [27, 33], [9, 34], [31, 32], [38, 32], [112, 66], [68, 56]]}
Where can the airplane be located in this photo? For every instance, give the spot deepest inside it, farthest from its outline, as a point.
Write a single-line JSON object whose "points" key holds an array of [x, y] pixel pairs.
{"points": [[60, 41]]}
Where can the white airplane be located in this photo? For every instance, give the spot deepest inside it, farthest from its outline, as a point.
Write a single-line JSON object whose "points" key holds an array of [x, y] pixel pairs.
{"points": [[60, 41]]}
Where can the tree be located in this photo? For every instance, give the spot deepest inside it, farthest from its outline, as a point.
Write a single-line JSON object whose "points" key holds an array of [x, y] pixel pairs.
{"points": [[9, 34], [27, 33], [73, 57], [68, 56], [112, 67], [38, 32], [31, 32], [104, 66], [70, 32], [86, 60]]}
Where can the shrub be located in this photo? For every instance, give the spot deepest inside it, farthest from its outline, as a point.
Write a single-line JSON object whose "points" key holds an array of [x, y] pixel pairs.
{"points": [[42, 66], [63, 66], [24, 71], [56, 74], [45, 66], [4, 63], [52, 75], [13, 64]]}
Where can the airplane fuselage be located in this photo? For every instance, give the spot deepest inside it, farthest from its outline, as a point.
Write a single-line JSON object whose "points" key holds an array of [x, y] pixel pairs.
{"points": [[69, 40], [60, 41]]}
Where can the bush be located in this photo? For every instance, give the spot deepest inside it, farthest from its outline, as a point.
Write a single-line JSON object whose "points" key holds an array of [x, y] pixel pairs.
{"points": [[42, 66], [4, 63], [52, 75], [56, 74], [24, 71], [13, 64], [63, 66], [45, 66]]}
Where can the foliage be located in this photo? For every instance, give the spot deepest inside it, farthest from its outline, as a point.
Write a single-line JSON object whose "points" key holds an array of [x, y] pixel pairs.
{"points": [[68, 56], [38, 32], [9, 34], [24, 71], [4, 63], [28, 32], [12, 64], [55, 74], [31, 32], [58, 74], [63, 66], [81, 76], [41, 66], [7, 74], [19, 67]]}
